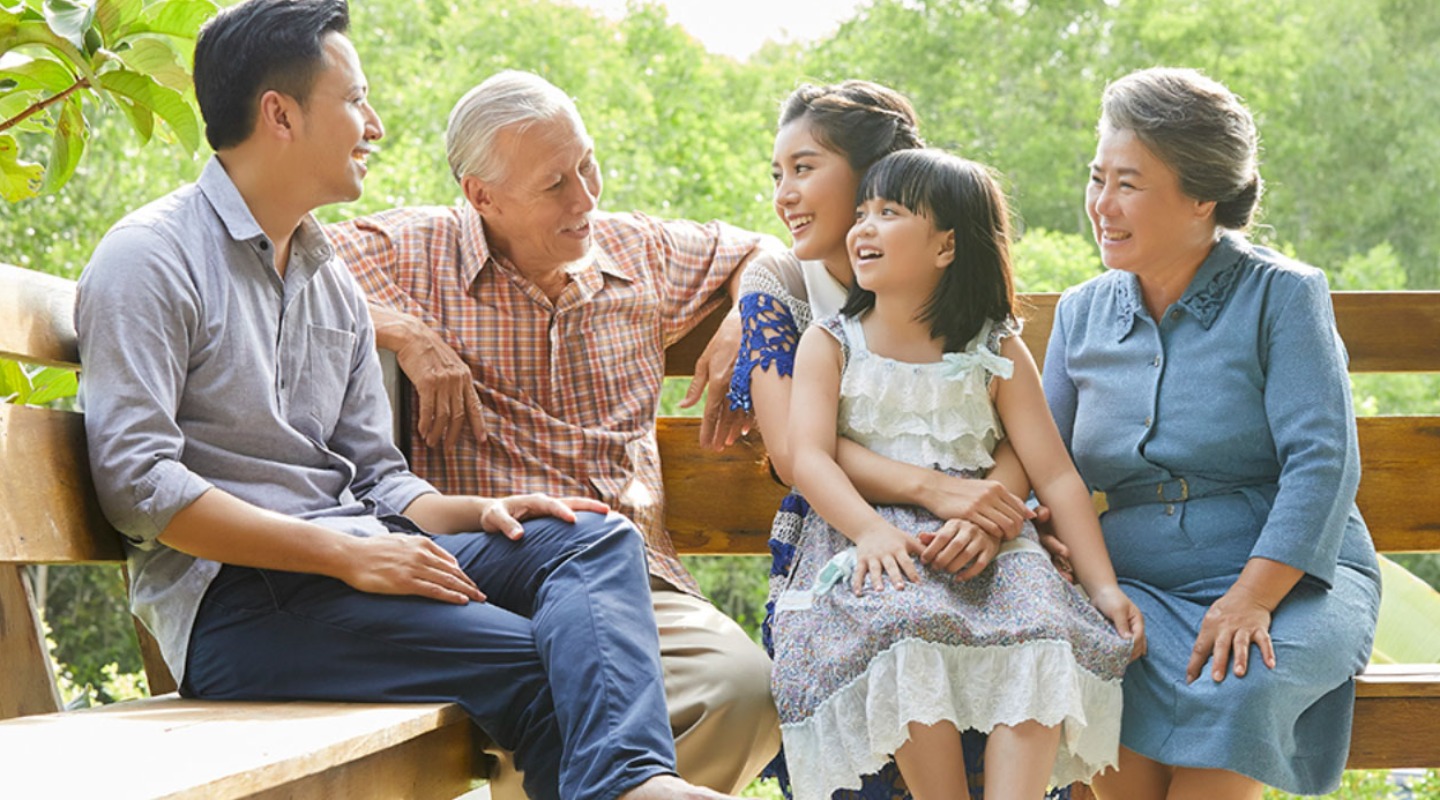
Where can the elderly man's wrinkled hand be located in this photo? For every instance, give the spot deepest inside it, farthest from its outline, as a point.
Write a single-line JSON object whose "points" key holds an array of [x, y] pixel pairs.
{"points": [[721, 425], [449, 403]]}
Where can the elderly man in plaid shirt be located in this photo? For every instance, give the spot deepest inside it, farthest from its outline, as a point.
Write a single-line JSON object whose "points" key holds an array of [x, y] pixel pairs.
{"points": [[534, 328]]}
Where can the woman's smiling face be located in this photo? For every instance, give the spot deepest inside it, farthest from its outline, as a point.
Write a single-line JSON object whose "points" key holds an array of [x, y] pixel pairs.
{"points": [[814, 195]]}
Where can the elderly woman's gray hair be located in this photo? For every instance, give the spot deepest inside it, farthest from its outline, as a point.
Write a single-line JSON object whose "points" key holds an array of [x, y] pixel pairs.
{"points": [[502, 100], [1198, 128]]}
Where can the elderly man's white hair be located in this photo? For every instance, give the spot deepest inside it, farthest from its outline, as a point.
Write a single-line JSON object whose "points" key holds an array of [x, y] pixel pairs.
{"points": [[503, 100]]}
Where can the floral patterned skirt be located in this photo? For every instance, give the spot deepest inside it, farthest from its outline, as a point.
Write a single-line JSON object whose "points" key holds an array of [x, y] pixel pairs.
{"points": [[1015, 643]]}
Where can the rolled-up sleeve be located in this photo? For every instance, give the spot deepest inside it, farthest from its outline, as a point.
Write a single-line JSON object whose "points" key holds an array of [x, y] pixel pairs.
{"points": [[1307, 401], [136, 313]]}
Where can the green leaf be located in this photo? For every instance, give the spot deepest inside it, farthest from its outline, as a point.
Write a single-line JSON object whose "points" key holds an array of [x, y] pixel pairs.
{"points": [[67, 145], [37, 32], [140, 119], [51, 384], [181, 18], [165, 103], [156, 57], [70, 21], [18, 179], [1409, 630], [115, 17], [14, 383], [38, 73]]}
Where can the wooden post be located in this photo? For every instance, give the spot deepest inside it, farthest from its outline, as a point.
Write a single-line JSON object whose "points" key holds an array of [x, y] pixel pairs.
{"points": [[29, 683]]}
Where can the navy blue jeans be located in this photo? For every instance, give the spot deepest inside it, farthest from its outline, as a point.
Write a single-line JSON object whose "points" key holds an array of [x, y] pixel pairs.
{"points": [[561, 665]]}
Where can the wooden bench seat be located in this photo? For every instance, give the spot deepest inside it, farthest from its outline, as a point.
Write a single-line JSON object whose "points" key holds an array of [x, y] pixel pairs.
{"points": [[173, 748], [718, 504], [163, 746]]}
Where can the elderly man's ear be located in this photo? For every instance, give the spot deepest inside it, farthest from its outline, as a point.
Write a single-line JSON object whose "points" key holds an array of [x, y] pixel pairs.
{"points": [[477, 192]]}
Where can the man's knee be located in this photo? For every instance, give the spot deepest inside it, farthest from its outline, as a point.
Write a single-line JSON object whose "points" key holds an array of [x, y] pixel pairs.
{"points": [[712, 667], [717, 684]]}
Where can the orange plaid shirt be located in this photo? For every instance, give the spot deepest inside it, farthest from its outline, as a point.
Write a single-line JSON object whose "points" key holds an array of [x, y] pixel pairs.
{"points": [[570, 389]]}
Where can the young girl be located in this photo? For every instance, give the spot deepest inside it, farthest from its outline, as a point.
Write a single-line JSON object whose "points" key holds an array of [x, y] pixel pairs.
{"points": [[826, 137], [881, 646]]}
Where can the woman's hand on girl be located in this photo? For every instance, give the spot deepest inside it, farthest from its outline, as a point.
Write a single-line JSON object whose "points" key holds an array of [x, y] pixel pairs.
{"points": [[1234, 622], [882, 551], [960, 548], [985, 503], [1124, 615]]}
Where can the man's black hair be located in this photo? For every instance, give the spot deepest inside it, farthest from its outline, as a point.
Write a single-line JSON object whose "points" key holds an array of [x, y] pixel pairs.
{"points": [[254, 47]]}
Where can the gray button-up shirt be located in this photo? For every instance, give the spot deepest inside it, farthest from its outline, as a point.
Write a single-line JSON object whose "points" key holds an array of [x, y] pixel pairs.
{"points": [[203, 367]]}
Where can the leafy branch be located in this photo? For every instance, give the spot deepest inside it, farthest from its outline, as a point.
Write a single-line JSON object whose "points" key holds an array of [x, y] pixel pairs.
{"points": [[60, 58], [41, 105]]}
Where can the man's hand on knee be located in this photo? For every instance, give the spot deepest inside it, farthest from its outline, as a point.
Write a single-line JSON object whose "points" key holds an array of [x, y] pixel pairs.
{"points": [[408, 565]]}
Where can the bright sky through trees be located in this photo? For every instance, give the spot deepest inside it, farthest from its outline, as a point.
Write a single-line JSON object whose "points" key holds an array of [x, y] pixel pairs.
{"points": [[737, 28]]}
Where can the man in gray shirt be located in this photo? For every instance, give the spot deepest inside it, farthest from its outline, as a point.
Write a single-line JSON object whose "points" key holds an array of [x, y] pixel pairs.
{"points": [[239, 439]]}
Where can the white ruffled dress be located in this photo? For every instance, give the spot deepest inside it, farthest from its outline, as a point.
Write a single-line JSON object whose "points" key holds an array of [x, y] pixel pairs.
{"points": [[1015, 643]]}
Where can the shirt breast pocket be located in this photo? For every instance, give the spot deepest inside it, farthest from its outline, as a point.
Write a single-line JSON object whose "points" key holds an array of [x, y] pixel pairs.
{"points": [[328, 353]]}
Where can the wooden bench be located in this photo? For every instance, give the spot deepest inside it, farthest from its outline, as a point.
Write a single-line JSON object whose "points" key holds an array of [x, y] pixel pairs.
{"points": [[163, 746], [166, 746], [1397, 714]]}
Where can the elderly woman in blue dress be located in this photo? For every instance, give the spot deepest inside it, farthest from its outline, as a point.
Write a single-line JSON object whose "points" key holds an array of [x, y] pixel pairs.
{"points": [[1201, 385]]}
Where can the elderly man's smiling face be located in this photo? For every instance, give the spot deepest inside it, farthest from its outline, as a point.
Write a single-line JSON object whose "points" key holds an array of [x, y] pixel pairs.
{"points": [[538, 213]]}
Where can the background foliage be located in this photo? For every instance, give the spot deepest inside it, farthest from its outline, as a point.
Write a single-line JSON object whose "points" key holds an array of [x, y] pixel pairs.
{"points": [[1347, 94]]}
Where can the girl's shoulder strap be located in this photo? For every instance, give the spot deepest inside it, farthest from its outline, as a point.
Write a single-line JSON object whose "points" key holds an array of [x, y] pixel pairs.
{"points": [[996, 330], [844, 329]]}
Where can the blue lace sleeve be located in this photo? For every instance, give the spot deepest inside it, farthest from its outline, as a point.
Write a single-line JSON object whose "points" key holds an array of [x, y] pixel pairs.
{"points": [[768, 338]]}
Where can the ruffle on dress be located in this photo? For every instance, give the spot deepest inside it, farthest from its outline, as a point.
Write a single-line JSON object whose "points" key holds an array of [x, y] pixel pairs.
{"points": [[913, 680], [938, 414]]}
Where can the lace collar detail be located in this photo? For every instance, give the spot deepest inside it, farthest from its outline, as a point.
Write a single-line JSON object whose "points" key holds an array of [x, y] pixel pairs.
{"points": [[1204, 298], [1211, 287]]}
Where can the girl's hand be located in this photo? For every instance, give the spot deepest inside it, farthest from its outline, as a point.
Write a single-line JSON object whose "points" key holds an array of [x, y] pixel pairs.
{"points": [[984, 503], [1233, 623], [881, 551], [1124, 615], [960, 548]]}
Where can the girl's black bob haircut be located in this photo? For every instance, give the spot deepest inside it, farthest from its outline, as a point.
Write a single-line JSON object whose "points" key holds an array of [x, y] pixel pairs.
{"points": [[956, 195]]}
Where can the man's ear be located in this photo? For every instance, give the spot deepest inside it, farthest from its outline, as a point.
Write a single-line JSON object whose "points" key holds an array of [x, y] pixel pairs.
{"points": [[278, 115], [477, 193]]}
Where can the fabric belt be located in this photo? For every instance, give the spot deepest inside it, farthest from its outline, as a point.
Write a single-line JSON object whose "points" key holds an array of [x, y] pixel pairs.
{"points": [[1176, 490]]}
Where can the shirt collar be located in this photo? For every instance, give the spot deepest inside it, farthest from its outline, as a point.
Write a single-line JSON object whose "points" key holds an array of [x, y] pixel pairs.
{"points": [[1203, 298], [1210, 288], [589, 272], [234, 213]]}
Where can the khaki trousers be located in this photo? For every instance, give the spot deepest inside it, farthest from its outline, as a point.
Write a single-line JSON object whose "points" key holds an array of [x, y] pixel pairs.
{"points": [[717, 689]]}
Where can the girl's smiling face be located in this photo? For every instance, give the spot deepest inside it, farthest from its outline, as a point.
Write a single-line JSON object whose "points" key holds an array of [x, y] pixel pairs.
{"points": [[894, 249]]}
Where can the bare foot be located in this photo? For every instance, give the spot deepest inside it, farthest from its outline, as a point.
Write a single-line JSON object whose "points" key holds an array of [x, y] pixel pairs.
{"points": [[671, 787]]}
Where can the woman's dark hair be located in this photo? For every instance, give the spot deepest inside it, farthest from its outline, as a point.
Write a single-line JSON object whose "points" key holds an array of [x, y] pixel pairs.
{"points": [[860, 120], [254, 47], [1198, 128], [956, 195]]}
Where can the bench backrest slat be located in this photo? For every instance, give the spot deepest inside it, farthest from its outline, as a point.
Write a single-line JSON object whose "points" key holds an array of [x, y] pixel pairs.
{"points": [[36, 319], [1383, 330], [48, 510]]}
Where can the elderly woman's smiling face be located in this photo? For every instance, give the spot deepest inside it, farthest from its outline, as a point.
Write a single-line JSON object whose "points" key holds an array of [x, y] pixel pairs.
{"points": [[1143, 222]]}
